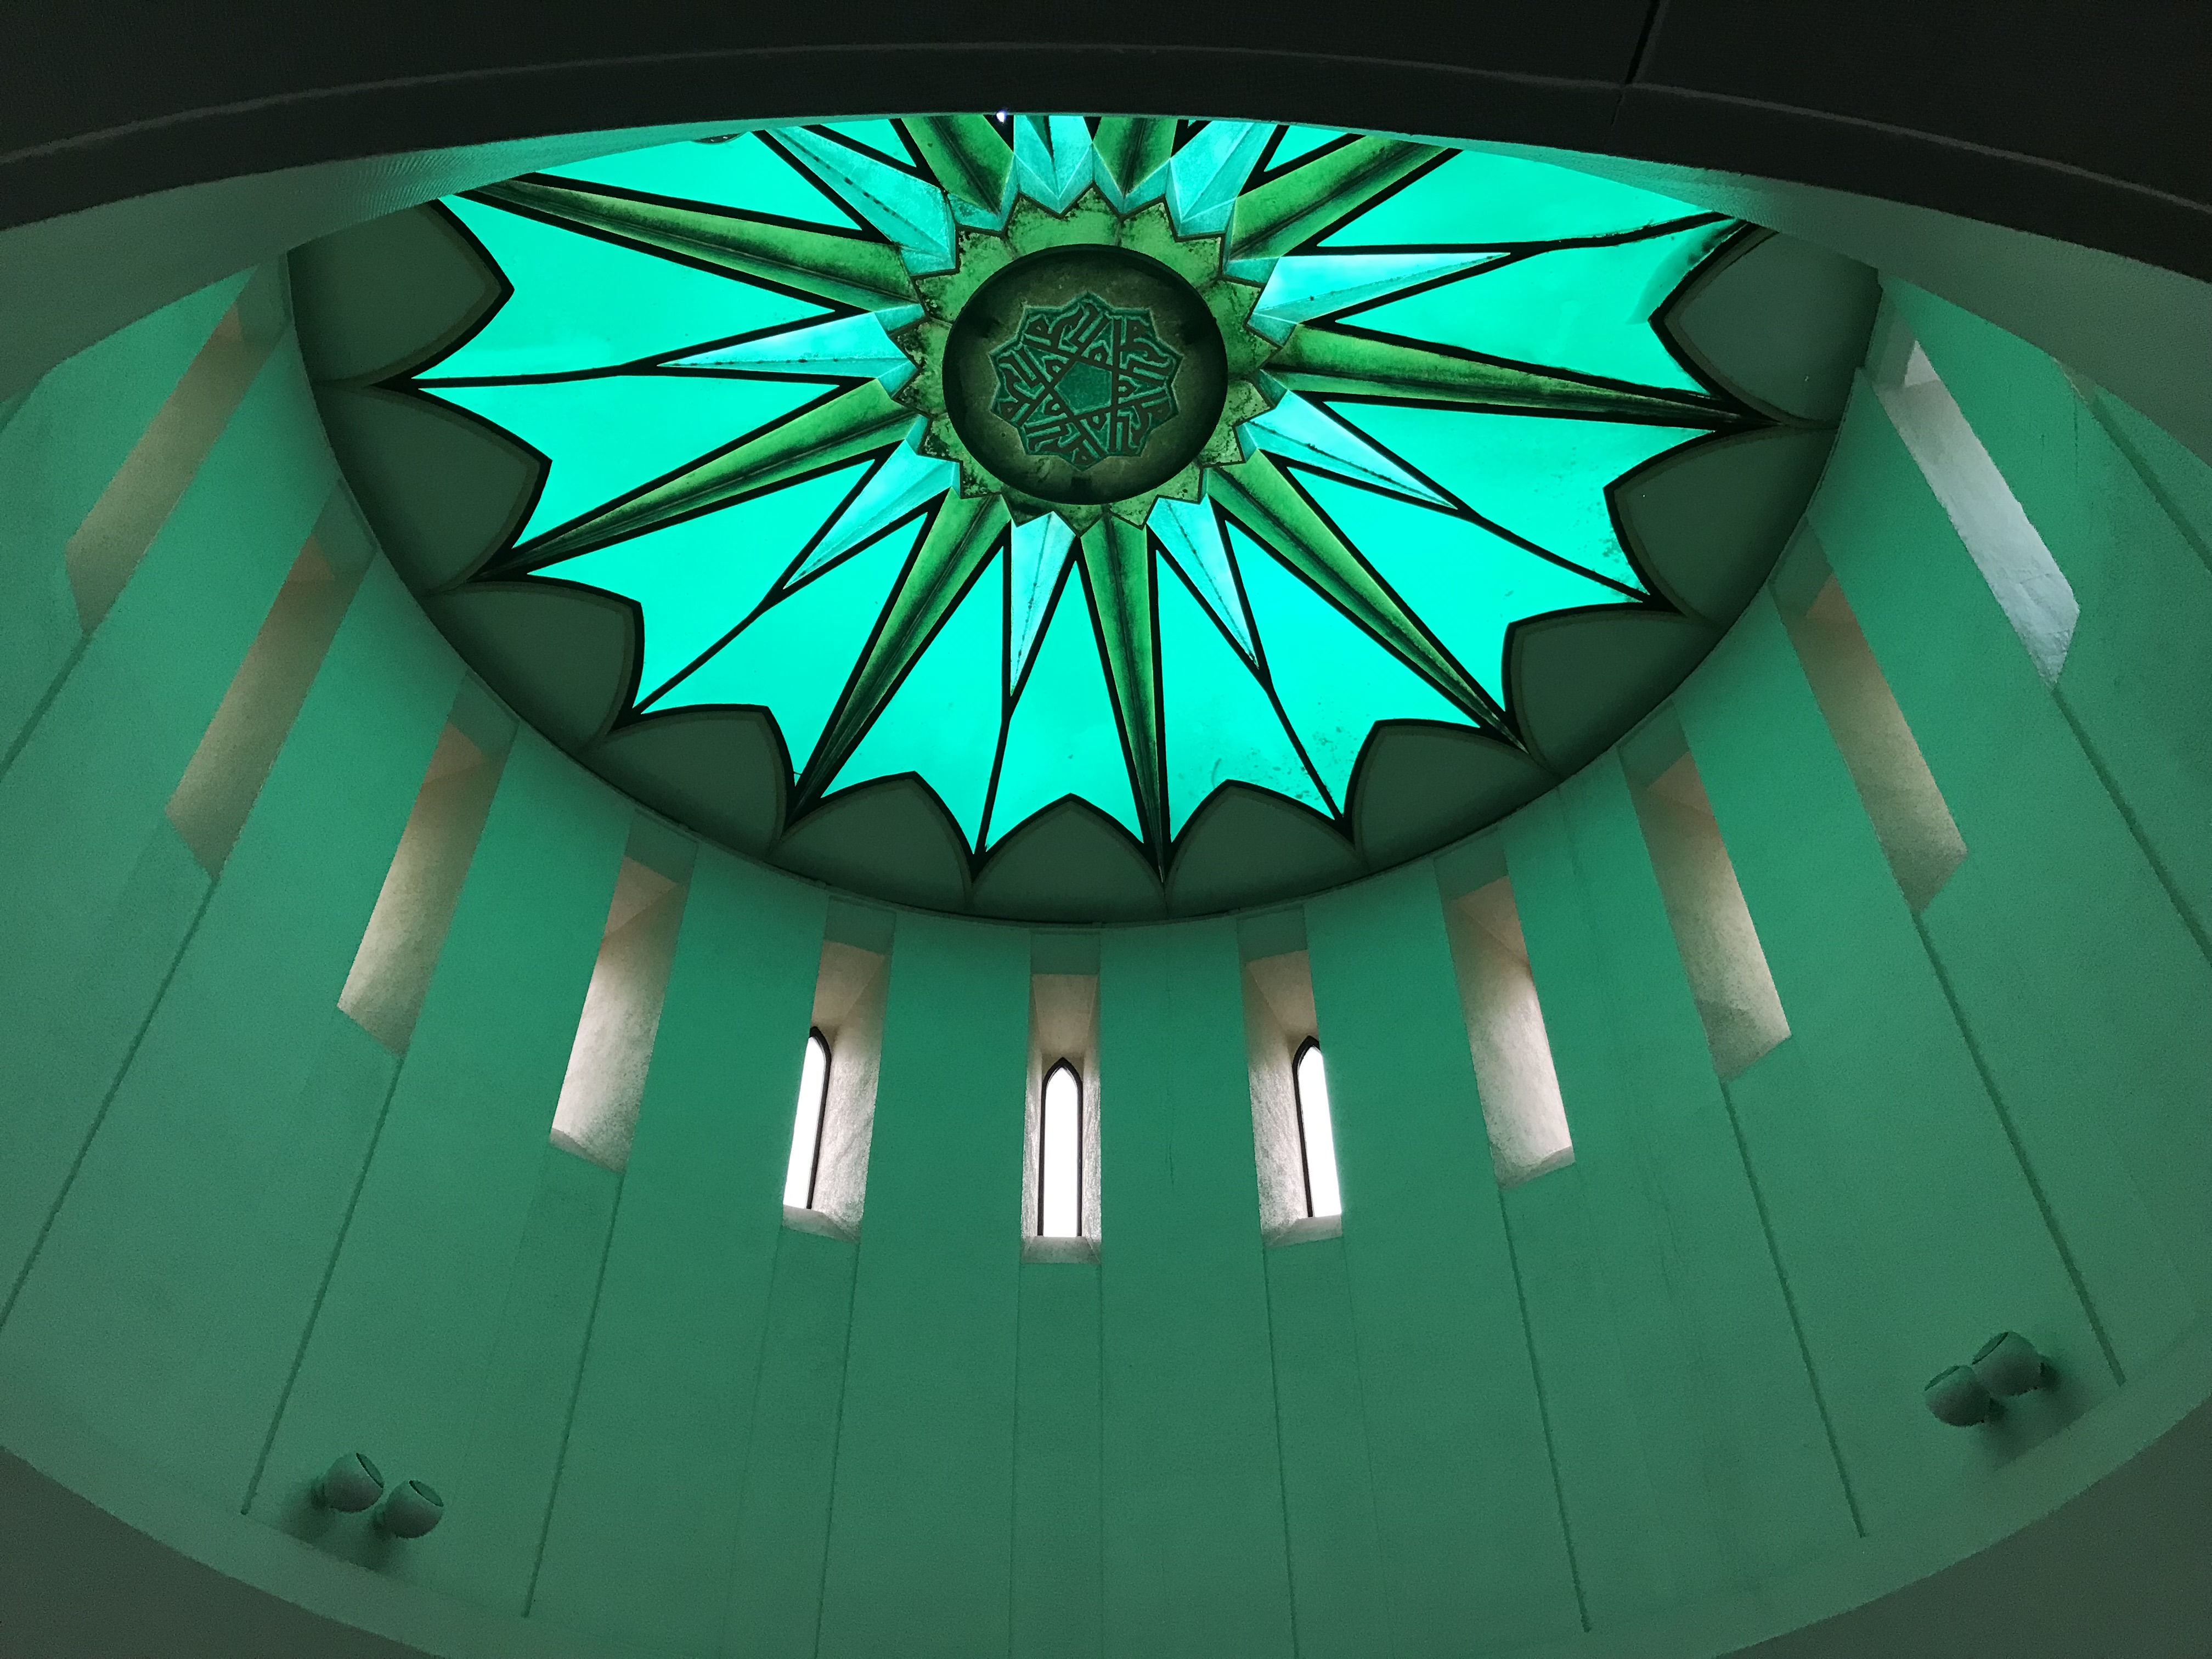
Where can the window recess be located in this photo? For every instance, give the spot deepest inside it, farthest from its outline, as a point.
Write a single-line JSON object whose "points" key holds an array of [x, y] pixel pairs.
{"points": [[105, 553], [399, 948], [826, 1176], [1514, 1073], [600, 1095], [2005, 546], [1293, 1134], [1900, 795], [241, 745], [1060, 1165], [1713, 931]]}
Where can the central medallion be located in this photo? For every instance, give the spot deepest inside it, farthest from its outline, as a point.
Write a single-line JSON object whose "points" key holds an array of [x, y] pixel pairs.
{"points": [[1085, 374], [1086, 382]]}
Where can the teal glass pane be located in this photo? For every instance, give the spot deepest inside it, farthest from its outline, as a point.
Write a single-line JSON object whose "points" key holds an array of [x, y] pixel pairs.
{"points": [[1062, 738], [898, 206], [880, 136], [607, 436], [740, 172], [1206, 175], [1486, 201], [1299, 430], [582, 303], [1304, 286], [1467, 585], [696, 580], [857, 348], [1586, 308], [1217, 723], [1053, 158], [1301, 141], [1191, 533], [902, 483], [1037, 551], [1335, 681], [794, 658], [942, 722], [1544, 479]]}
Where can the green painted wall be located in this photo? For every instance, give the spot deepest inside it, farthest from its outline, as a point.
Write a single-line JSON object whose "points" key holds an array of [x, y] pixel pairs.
{"points": [[238, 1236]]}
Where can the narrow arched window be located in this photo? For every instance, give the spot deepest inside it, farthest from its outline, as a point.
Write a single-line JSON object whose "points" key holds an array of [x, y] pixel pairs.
{"points": [[1316, 1136], [805, 1165], [1059, 1155]]}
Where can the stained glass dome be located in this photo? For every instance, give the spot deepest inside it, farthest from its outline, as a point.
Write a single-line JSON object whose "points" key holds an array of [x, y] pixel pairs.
{"points": [[1047, 456]]}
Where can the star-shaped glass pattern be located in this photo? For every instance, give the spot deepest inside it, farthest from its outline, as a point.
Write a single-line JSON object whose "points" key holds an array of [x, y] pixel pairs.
{"points": [[732, 354], [1086, 380]]}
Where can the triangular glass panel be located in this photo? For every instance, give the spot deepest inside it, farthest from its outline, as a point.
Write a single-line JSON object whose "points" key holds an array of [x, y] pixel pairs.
{"points": [[1299, 430], [1545, 479], [1219, 724], [582, 303], [742, 173], [696, 580], [1191, 533], [1335, 681], [1491, 201], [942, 723], [1062, 737], [1588, 309], [901, 209], [905, 480], [1467, 585], [1037, 552], [608, 434], [794, 659]]}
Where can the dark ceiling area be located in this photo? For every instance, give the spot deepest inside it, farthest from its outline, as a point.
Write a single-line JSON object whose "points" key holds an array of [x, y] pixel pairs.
{"points": [[2081, 119]]}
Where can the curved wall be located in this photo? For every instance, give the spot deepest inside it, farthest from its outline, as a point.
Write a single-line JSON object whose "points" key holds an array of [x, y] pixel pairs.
{"points": [[1663, 1399]]}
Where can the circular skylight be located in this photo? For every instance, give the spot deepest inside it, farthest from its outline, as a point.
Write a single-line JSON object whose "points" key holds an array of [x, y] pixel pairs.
{"points": [[1121, 459]]}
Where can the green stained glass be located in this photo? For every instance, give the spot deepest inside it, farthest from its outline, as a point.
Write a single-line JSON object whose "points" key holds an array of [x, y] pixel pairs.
{"points": [[1467, 585], [1062, 738], [699, 578], [737, 173], [794, 658], [1220, 726], [580, 302], [1086, 418], [928, 726], [1495, 201], [1534, 478], [1584, 308], [1301, 141], [1334, 683], [606, 436], [880, 136]]}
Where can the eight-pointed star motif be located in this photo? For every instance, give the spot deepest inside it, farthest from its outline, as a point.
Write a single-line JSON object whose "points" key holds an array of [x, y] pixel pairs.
{"points": [[1086, 380]]}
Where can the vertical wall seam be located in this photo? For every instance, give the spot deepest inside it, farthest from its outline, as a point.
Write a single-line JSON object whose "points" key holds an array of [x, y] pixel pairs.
{"points": [[2151, 856], [1367, 1448], [575, 1393], [1543, 1413], [836, 1457], [1014, 1467], [37, 717], [1282, 1465], [322, 1287], [1797, 1321], [2150, 482], [107, 1100], [2043, 1206]]}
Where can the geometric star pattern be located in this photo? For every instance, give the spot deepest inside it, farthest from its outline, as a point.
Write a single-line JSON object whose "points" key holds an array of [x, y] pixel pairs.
{"points": [[728, 355]]}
